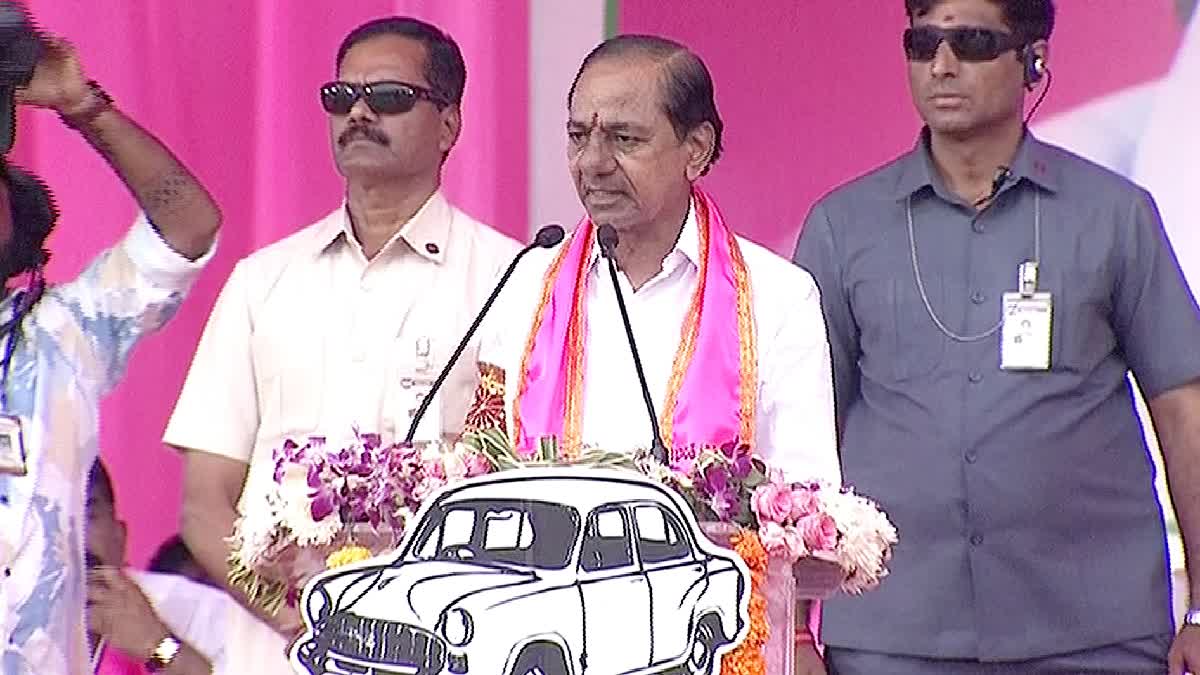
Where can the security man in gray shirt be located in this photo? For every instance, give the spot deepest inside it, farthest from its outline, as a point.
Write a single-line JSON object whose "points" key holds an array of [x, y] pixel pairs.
{"points": [[985, 296]]}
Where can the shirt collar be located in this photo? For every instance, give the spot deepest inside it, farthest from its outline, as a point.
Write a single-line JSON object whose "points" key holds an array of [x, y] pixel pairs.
{"points": [[687, 245], [426, 233], [1034, 162]]}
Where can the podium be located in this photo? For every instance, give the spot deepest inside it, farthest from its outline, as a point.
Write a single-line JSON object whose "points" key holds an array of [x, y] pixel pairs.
{"points": [[779, 652]]}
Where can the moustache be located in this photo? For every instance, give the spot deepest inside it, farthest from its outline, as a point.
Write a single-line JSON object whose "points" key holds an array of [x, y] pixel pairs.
{"points": [[367, 133]]}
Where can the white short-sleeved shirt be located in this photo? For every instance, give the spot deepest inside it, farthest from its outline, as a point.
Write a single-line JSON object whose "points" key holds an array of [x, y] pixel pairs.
{"points": [[308, 337], [795, 416]]}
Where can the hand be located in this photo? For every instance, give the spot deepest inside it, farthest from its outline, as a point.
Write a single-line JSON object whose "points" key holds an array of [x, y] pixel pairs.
{"points": [[287, 622], [808, 661], [1184, 656], [58, 80], [119, 612]]}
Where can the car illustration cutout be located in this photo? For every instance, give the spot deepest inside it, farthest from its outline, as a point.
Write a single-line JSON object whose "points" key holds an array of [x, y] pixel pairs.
{"points": [[537, 571]]}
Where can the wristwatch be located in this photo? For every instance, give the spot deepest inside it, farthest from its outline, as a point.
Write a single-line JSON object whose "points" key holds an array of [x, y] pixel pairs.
{"points": [[1192, 618], [164, 654]]}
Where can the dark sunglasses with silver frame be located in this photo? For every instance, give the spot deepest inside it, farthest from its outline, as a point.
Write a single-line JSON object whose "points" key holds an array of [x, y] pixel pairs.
{"points": [[968, 43], [386, 97]]}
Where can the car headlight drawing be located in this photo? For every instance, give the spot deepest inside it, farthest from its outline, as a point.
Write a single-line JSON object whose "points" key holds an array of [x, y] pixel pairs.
{"points": [[319, 605], [457, 627]]}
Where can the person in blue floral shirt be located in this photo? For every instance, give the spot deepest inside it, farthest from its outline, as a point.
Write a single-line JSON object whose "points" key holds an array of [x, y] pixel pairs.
{"points": [[65, 346]]}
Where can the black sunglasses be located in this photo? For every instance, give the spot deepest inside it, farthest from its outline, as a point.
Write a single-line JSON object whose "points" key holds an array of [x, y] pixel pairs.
{"points": [[385, 98], [968, 44]]}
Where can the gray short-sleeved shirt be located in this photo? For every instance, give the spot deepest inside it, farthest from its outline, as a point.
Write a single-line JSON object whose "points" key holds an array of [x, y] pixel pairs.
{"points": [[1024, 500]]}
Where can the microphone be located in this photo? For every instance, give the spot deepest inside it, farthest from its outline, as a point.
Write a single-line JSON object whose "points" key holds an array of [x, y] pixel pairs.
{"points": [[1002, 176], [606, 235], [547, 237]]}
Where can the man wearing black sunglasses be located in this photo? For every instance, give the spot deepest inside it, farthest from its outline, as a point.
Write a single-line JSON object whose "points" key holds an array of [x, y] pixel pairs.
{"points": [[986, 296], [344, 325]]}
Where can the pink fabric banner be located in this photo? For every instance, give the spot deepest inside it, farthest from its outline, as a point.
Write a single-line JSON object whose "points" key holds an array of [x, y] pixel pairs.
{"points": [[232, 88]]}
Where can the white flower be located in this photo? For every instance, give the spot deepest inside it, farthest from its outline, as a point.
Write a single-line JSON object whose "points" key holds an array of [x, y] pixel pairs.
{"points": [[867, 537], [258, 530]]}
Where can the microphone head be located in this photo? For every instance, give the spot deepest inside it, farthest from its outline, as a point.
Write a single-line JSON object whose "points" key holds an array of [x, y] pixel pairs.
{"points": [[549, 236], [607, 236]]}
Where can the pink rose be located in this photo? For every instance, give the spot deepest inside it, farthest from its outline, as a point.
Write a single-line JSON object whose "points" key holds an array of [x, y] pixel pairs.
{"points": [[772, 503], [794, 543], [805, 502], [782, 542], [772, 536], [819, 532]]}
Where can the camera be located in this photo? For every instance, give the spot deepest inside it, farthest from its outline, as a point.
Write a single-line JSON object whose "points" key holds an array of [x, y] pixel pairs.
{"points": [[20, 48]]}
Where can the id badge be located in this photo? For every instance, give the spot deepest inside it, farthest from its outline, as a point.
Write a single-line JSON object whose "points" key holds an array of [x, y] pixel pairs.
{"points": [[412, 393], [12, 446], [1025, 332]]}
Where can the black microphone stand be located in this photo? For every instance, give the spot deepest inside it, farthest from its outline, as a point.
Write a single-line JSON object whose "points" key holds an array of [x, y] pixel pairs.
{"points": [[547, 237], [607, 237]]}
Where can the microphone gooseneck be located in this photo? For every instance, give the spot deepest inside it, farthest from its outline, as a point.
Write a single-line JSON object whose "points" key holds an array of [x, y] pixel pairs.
{"points": [[606, 236], [547, 237]]}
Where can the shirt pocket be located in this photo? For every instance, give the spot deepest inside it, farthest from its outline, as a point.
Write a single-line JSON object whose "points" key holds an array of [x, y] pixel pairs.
{"points": [[1081, 331], [899, 340], [289, 373]]}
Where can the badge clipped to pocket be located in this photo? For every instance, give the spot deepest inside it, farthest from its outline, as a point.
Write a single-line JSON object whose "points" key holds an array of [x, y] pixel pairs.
{"points": [[1026, 325], [412, 395], [12, 446]]}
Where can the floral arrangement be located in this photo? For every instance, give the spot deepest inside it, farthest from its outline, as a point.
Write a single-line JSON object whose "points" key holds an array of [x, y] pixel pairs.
{"points": [[796, 524], [730, 484], [329, 506], [825, 522]]}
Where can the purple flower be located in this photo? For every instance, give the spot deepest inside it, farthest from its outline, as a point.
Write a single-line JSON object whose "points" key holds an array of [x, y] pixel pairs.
{"points": [[715, 479], [322, 505], [723, 504], [738, 456]]}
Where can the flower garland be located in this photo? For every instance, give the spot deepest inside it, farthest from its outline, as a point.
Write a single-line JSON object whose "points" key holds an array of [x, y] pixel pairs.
{"points": [[747, 658]]}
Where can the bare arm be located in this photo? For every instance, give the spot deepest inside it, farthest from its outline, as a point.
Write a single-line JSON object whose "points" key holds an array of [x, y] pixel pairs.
{"points": [[174, 200], [212, 485], [1176, 416]]}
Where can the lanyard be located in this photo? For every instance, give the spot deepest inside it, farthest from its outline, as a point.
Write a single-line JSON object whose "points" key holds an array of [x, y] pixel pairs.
{"points": [[10, 347], [1028, 270]]}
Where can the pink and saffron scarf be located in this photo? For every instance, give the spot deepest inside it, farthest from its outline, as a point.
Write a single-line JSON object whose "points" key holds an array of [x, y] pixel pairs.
{"points": [[712, 393]]}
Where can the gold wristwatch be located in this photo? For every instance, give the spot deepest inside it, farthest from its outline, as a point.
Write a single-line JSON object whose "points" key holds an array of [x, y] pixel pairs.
{"points": [[164, 654]]}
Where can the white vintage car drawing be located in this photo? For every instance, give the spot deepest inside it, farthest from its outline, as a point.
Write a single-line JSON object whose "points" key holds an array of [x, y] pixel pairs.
{"points": [[542, 571]]}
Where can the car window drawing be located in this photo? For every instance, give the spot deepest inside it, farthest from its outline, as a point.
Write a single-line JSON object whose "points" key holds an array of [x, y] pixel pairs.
{"points": [[564, 571]]}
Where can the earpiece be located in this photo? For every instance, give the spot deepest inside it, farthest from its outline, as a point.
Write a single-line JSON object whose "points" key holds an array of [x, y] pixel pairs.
{"points": [[1035, 67]]}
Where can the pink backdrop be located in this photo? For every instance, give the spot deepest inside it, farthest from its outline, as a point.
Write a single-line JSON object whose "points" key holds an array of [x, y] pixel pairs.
{"points": [[813, 93], [231, 87]]}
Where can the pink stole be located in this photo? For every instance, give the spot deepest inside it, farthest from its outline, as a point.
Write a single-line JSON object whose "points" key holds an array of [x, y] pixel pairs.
{"points": [[712, 394]]}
